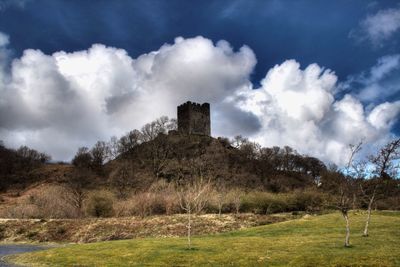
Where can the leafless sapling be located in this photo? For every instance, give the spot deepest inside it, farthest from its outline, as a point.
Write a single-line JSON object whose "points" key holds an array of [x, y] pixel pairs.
{"points": [[345, 191], [193, 196], [385, 167]]}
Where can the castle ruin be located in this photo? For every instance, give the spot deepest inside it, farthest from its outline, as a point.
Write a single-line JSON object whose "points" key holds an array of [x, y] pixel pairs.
{"points": [[194, 118]]}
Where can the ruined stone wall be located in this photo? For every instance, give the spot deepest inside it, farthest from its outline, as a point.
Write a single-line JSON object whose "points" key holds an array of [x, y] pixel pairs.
{"points": [[194, 118]]}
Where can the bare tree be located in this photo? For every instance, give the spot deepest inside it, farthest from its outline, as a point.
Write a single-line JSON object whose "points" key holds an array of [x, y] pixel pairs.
{"points": [[100, 153], [221, 194], [129, 141], [159, 151], [30, 158], [236, 198], [75, 186], [238, 140], [161, 125], [384, 168], [172, 124], [344, 206], [345, 190], [193, 196], [369, 191], [385, 161], [113, 146], [122, 178], [159, 147], [83, 158]]}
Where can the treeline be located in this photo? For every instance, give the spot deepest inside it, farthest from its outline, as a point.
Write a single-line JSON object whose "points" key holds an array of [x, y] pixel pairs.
{"points": [[16, 163], [103, 151]]}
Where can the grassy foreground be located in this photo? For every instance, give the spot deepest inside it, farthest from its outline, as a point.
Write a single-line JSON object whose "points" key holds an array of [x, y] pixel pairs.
{"points": [[311, 241]]}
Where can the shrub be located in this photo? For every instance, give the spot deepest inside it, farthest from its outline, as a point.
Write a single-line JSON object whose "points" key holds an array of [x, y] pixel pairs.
{"points": [[32, 235], [22, 211], [156, 204], [221, 198], [148, 203], [45, 202], [2, 231], [308, 200], [389, 203], [52, 201], [234, 200], [211, 207], [142, 205], [264, 203], [61, 230], [100, 204], [163, 198]]}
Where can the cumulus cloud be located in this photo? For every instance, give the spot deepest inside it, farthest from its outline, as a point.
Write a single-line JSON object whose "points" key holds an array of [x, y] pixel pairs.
{"points": [[88, 95], [383, 116], [59, 102], [379, 27], [297, 108]]}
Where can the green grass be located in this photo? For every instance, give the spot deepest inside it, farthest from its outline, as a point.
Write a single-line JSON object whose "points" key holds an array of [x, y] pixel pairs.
{"points": [[313, 241]]}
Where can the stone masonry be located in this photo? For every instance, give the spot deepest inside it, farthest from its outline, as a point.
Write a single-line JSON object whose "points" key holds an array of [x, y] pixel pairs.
{"points": [[194, 118]]}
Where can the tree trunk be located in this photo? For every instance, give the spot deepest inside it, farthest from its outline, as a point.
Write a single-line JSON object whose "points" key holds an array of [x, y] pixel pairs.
{"points": [[189, 228], [371, 202], [237, 206], [354, 201], [347, 239]]}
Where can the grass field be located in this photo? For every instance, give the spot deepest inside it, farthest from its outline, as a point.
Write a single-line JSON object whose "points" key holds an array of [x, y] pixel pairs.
{"points": [[311, 241]]}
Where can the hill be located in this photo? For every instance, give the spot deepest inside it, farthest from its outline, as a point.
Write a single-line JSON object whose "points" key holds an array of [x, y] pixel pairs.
{"points": [[169, 157], [245, 165], [144, 174]]}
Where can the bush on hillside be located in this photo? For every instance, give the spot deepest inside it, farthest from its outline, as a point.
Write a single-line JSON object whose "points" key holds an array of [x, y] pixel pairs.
{"points": [[100, 204]]}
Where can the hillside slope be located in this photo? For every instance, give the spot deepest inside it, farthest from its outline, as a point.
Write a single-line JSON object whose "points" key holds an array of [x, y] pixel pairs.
{"points": [[175, 156]]}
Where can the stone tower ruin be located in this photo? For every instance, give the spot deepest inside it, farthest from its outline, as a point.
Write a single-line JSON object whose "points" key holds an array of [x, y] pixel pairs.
{"points": [[194, 118]]}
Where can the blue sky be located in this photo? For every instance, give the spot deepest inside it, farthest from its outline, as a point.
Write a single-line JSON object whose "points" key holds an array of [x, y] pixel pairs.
{"points": [[309, 31], [356, 40]]}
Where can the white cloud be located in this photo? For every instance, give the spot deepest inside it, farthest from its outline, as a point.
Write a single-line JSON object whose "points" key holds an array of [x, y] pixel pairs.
{"points": [[59, 102], [89, 95], [379, 27], [297, 108], [4, 39], [385, 66], [382, 81], [4, 57], [383, 115]]}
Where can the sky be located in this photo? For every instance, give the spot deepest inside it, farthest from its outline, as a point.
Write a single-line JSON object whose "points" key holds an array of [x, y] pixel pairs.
{"points": [[314, 75]]}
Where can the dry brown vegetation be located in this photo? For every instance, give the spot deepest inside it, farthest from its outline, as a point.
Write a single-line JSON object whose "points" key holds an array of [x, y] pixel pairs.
{"points": [[56, 201], [94, 230]]}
